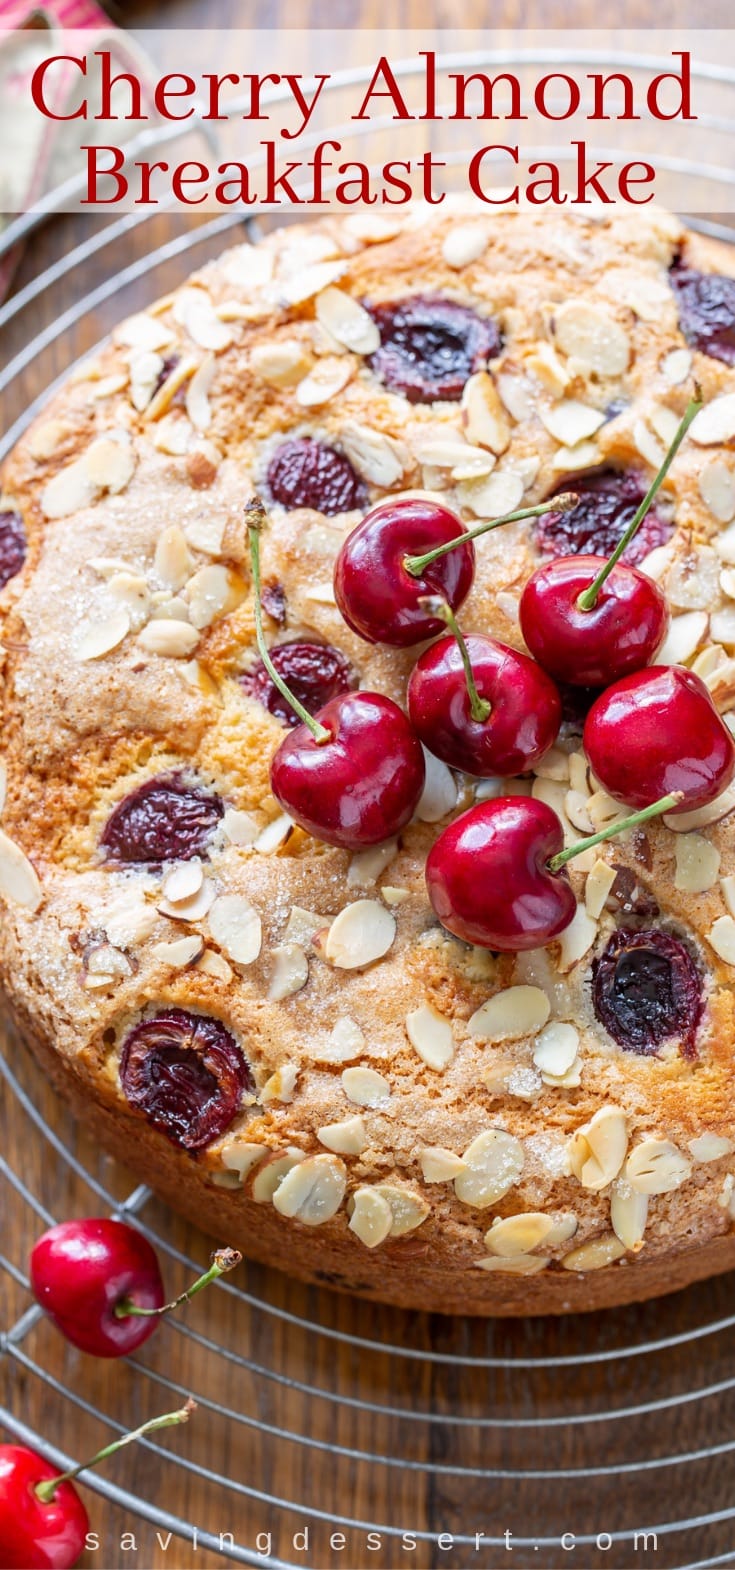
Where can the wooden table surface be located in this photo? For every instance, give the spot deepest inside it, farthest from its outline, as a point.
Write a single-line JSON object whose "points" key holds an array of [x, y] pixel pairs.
{"points": [[638, 1488]]}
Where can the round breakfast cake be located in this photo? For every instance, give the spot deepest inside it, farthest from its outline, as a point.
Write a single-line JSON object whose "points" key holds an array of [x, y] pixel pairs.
{"points": [[278, 1034]]}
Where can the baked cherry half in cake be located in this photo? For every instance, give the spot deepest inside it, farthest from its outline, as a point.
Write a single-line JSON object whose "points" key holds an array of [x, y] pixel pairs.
{"points": [[164, 819], [646, 990], [379, 598], [13, 546], [429, 347], [706, 304], [607, 503], [315, 673], [304, 472], [659, 731], [186, 1074]]}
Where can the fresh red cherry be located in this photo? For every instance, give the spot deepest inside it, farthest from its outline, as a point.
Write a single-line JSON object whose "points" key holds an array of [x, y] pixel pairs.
{"points": [[658, 731], [43, 1523], [37, 1533], [590, 620], [496, 875], [358, 781], [482, 707], [623, 631], [378, 597], [99, 1281]]}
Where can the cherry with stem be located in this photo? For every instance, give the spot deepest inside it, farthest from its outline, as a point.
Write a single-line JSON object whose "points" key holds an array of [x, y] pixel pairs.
{"points": [[416, 565]]}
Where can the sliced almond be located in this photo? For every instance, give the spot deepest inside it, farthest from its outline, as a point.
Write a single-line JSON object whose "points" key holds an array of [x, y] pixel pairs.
{"points": [[714, 426], [197, 394], [597, 888], [464, 244], [184, 881], [656, 1166], [500, 493], [556, 1049], [576, 939], [210, 593], [290, 971], [697, 864], [393, 895], [347, 321], [521, 1234], [577, 811], [214, 964], [431, 1036], [439, 795], [143, 332], [597, 1151], [716, 484], [193, 908], [346, 1138], [249, 266], [240, 828], [274, 835], [583, 455], [485, 420], [408, 1210], [267, 1180], [591, 337], [305, 282], [366, 866], [722, 626], [171, 639], [303, 925], [371, 1217], [710, 1147], [236, 926], [571, 422], [240, 1157], [98, 638], [282, 363], [721, 936], [194, 310], [601, 1251], [312, 1191], [514, 1012], [179, 953], [683, 638], [492, 1165], [676, 366], [517, 395], [344, 1042], [521, 1265], [380, 459], [702, 817], [628, 1214], [554, 765], [365, 1087], [324, 381], [280, 1086], [131, 589], [439, 1165], [361, 934]]}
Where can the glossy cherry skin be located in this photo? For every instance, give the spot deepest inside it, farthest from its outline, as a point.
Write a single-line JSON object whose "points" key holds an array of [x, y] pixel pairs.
{"points": [[378, 598], [360, 787], [35, 1535], [622, 633], [488, 878], [80, 1272], [525, 707], [658, 731]]}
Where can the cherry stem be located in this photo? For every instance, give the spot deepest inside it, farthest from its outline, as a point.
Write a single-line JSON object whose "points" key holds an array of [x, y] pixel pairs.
{"points": [[417, 564], [46, 1491], [480, 709], [225, 1259], [256, 517], [665, 804], [588, 598]]}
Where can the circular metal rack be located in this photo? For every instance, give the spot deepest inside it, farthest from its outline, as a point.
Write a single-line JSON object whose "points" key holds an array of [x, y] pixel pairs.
{"points": [[582, 1438]]}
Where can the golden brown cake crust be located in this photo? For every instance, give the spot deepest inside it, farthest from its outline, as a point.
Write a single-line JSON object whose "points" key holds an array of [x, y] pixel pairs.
{"points": [[406, 1117]]}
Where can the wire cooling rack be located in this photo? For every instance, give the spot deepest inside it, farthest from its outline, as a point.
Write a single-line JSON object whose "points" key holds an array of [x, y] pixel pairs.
{"points": [[604, 1440]]}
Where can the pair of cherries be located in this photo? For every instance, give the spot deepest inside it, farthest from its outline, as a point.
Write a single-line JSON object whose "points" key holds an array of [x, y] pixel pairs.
{"points": [[100, 1283]]}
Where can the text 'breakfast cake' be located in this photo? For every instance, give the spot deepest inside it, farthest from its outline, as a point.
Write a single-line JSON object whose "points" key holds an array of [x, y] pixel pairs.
{"points": [[280, 1034]]}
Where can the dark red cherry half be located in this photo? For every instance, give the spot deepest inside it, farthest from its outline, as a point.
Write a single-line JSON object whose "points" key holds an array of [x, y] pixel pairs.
{"points": [[706, 304], [429, 347], [164, 819], [186, 1074], [13, 546], [525, 710], [623, 631], [304, 472], [607, 503], [646, 990], [315, 672], [488, 878], [658, 731], [360, 787], [379, 599]]}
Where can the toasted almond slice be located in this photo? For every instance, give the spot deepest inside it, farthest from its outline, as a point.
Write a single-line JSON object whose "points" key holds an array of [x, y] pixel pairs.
{"points": [[724, 544], [280, 1086], [493, 1163], [722, 626], [98, 638], [274, 835], [361, 934], [697, 864], [486, 422], [439, 1165], [241, 1156], [366, 865], [143, 332], [305, 282], [521, 1265], [249, 266], [628, 1214], [500, 493], [131, 589], [717, 489], [347, 321], [683, 638], [676, 366], [312, 1191], [194, 310], [290, 971], [378, 458], [345, 1042], [590, 336], [236, 926], [464, 244], [514, 1012], [582, 455], [571, 422], [656, 1166], [601, 1251], [394, 896], [576, 939], [210, 593], [710, 1147], [145, 368], [553, 766], [303, 925], [282, 363], [556, 1049], [179, 953], [516, 1235], [408, 1210], [702, 817], [439, 795], [346, 1138], [365, 1087], [714, 426], [371, 1218], [431, 1036], [721, 936], [577, 810], [171, 639], [597, 1150], [214, 964], [599, 883], [197, 394], [517, 394], [240, 828], [193, 908], [184, 880], [267, 1180], [324, 381]]}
